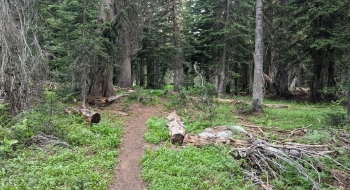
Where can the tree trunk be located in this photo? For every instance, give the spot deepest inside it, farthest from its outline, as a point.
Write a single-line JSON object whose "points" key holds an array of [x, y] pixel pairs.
{"points": [[142, 81], [130, 29], [281, 81], [317, 83], [348, 104], [15, 56], [222, 68], [125, 79], [258, 60], [176, 59], [101, 75]]}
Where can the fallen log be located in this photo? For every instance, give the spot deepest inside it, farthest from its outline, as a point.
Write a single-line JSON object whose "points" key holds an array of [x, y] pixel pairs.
{"points": [[176, 128], [112, 98], [71, 110], [90, 115]]}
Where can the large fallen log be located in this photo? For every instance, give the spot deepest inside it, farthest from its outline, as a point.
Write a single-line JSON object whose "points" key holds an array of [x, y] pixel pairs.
{"points": [[176, 128], [89, 115]]}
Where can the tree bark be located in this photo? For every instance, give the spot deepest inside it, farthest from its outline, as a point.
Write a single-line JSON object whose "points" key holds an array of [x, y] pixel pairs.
{"points": [[125, 79], [258, 60], [15, 54], [317, 82], [281, 82], [129, 36], [176, 130], [222, 68], [176, 60]]}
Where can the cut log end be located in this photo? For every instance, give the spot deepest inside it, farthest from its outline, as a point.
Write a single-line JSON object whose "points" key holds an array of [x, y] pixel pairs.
{"points": [[177, 139], [95, 118], [89, 115]]}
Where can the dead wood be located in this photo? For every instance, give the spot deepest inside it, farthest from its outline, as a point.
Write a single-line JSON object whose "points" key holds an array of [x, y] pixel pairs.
{"points": [[112, 98], [176, 128], [275, 106], [267, 157], [71, 110], [89, 115]]}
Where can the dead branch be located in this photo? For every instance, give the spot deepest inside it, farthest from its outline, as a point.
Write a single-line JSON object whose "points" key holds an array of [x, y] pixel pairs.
{"points": [[112, 98]]}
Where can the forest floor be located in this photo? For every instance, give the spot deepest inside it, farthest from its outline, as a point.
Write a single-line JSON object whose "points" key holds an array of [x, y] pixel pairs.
{"points": [[128, 172]]}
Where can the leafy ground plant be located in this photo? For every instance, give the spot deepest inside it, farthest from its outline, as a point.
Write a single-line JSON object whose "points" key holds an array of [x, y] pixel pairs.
{"points": [[156, 130], [87, 163], [192, 168]]}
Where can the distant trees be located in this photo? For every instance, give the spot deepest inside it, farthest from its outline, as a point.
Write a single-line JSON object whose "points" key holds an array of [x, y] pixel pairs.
{"points": [[218, 35], [95, 44]]}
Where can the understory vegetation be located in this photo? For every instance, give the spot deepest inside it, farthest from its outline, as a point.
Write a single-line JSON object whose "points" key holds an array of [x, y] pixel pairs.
{"points": [[211, 167], [47, 148], [54, 150]]}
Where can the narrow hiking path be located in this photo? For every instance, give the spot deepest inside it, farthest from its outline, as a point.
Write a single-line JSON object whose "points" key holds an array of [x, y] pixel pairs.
{"points": [[128, 172]]}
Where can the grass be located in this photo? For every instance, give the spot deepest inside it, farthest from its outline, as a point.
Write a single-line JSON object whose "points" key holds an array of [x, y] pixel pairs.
{"points": [[192, 168], [89, 164], [297, 115]]}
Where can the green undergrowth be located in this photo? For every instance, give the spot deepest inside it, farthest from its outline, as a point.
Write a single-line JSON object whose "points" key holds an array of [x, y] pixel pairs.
{"points": [[146, 96], [156, 130], [323, 122], [198, 120], [87, 163], [192, 168], [297, 115]]}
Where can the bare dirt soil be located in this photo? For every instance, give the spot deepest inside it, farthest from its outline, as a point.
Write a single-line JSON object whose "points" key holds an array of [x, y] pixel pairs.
{"points": [[127, 174]]}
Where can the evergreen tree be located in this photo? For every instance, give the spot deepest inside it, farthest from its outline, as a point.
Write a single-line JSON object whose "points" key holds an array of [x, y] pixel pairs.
{"points": [[323, 25]]}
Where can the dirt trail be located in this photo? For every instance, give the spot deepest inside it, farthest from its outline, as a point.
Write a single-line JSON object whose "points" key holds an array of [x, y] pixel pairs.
{"points": [[127, 174]]}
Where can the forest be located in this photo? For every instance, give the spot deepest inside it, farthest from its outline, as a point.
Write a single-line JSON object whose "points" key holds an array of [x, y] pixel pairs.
{"points": [[174, 94]]}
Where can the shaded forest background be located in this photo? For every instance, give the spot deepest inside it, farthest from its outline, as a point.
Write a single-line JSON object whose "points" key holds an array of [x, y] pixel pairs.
{"points": [[92, 45]]}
